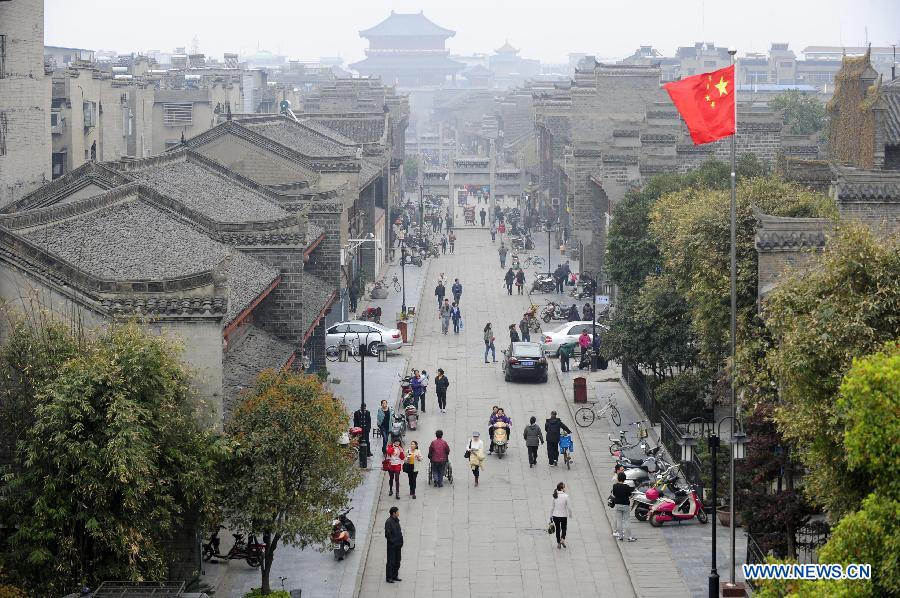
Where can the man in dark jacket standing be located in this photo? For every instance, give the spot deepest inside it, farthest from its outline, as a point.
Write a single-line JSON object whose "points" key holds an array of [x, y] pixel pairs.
{"points": [[533, 439], [394, 536], [439, 291], [552, 428]]}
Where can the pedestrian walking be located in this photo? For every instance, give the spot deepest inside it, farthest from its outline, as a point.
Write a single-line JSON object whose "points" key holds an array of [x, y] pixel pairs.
{"points": [[560, 511], [552, 428], [566, 352], [533, 439], [353, 294], [509, 278], [448, 224], [417, 391], [475, 453], [621, 494], [394, 536], [483, 215], [425, 381], [457, 290], [456, 316], [520, 281], [438, 453], [584, 341], [489, 343], [443, 244], [363, 419], [441, 383], [513, 334], [395, 456], [452, 240], [559, 278], [385, 415], [445, 314], [411, 466], [439, 291], [503, 251], [493, 232], [573, 313], [524, 331]]}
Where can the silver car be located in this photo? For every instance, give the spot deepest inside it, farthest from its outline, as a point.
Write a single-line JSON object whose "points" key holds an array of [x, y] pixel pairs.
{"points": [[566, 333], [357, 332]]}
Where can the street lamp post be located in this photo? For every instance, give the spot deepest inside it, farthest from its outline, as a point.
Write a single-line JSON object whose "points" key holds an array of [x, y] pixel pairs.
{"points": [[403, 274], [344, 351], [713, 431]]}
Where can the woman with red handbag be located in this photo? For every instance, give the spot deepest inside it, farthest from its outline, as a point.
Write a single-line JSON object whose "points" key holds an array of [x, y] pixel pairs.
{"points": [[395, 457]]}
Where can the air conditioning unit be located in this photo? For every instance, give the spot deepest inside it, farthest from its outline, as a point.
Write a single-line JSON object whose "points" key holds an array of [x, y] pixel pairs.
{"points": [[554, 201]]}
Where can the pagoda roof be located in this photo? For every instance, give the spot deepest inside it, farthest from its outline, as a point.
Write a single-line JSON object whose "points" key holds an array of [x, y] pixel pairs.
{"points": [[506, 48], [377, 63], [406, 25]]}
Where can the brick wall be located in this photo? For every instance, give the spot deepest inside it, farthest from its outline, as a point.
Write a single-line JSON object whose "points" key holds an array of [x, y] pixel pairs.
{"points": [[880, 216], [280, 313], [24, 101]]}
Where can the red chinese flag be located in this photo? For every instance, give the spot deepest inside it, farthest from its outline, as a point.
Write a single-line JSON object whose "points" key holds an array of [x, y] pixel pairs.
{"points": [[706, 103]]}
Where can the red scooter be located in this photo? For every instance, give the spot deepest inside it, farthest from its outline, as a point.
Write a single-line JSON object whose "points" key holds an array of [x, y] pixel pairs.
{"points": [[687, 507]]}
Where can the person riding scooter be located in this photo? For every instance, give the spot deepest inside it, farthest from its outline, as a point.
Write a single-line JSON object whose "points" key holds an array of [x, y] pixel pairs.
{"points": [[498, 419]]}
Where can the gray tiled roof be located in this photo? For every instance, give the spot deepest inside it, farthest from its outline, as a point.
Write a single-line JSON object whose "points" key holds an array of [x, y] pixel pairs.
{"points": [[254, 352], [247, 278], [132, 240], [891, 94], [316, 293], [302, 139], [360, 130], [215, 196]]}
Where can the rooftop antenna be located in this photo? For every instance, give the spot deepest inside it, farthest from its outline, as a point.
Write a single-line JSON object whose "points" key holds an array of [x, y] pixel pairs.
{"points": [[894, 63]]}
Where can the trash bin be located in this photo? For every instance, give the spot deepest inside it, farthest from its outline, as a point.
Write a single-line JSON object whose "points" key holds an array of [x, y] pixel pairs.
{"points": [[580, 388], [401, 326]]}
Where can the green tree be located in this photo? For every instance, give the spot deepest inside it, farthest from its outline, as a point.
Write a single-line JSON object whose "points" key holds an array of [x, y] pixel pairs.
{"points": [[819, 321], [692, 230], [113, 464], [411, 168], [869, 401], [288, 474], [653, 329], [802, 114]]}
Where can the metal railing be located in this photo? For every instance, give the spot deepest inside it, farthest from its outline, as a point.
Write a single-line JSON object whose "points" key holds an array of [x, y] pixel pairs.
{"points": [[638, 385]]}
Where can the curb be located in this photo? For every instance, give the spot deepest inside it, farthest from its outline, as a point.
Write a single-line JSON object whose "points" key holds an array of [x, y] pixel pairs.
{"points": [[587, 460], [364, 553]]}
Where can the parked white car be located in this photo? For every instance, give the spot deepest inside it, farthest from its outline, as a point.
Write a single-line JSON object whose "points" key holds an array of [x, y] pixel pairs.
{"points": [[567, 333], [358, 332]]}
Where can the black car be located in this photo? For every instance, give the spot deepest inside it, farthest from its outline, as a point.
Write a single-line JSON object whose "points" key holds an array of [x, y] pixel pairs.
{"points": [[524, 360]]}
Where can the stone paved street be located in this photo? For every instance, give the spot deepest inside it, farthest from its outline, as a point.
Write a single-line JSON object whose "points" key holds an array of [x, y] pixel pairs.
{"points": [[491, 540]]}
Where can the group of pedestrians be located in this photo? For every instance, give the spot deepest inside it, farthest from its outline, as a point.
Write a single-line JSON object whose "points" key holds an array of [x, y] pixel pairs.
{"points": [[449, 312], [516, 278]]}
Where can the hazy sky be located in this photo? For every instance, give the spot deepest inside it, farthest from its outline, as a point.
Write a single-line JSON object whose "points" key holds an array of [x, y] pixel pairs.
{"points": [[547, 29]]}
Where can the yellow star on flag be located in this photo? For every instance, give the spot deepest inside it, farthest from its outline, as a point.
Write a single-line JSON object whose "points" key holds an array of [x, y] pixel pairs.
{"points": [[713, 104], [707, 98], [722, 86]]}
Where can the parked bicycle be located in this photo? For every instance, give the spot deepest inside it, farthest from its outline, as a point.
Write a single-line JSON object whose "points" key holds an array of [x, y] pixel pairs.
{"points": [[585, 416], [532, 260], [617, 445]]}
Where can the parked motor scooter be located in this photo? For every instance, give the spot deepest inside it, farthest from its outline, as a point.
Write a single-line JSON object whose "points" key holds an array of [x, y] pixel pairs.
{"points": [[252, 551], [641, 501], [398, 426], [501, 439], [412, 416], [543, 283], [343, 535], [687, 507]]}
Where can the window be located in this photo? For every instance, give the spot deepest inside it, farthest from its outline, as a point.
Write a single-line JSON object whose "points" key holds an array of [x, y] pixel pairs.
{"points": [[179, 114], [709, 64], [3, 121], [2, 56], [90, 114], [787, 65]]}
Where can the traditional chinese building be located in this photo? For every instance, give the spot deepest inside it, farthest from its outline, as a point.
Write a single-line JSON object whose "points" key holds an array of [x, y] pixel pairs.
{"points": [[408, 50]]}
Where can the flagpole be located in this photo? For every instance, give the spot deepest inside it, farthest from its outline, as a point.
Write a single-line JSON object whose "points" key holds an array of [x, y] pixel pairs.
{"points": [[732, 52]]}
